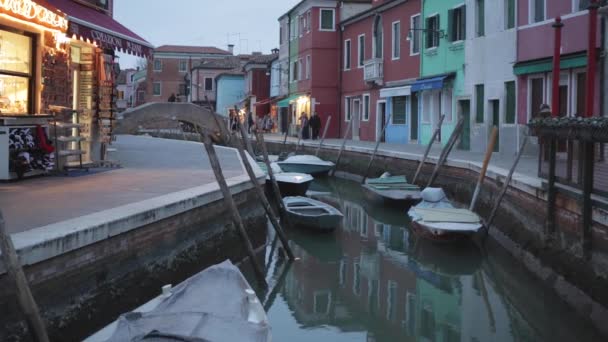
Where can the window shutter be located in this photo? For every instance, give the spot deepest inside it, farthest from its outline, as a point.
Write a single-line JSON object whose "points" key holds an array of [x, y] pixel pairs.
{"points": [[463, 22], [451, 28], [436, 33], [510, 112], [429, 34]]}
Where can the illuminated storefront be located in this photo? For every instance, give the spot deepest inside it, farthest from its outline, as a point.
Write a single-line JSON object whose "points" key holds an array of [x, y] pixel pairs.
{"points": [[296, 106]]}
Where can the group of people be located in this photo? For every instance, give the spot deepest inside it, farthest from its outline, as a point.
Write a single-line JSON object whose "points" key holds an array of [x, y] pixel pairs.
{"points": [[308, 126], [265, 123]]}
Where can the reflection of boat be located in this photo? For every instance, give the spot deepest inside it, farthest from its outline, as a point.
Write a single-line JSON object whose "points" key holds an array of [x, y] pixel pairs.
{"points": [[391, 189], [451, 260], [311, 213], [290, 183], [231, 312], [325, 249], [306, 164], [437, 219]]}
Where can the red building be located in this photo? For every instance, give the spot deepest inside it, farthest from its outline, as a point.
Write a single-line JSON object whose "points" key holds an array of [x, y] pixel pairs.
{"points": [[377, 65], [257, 83]]}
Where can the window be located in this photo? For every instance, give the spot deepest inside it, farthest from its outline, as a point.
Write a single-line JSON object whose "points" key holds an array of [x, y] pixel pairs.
{"points": [[410, 313], [294, 71], [480, 18], [183, 66], [432, 34], [581, 5], [415, 35], [366, 107], [293, 29], [479, 100], [15, 73], [281, 35], [309, 22], [399, 110], [396, 40], [347, 53], [347, 109], [457, 24], [208, 84], [510, 102], [141, 96], [391, 301], [361, 51], [121, 95], [300, 66], [378, 38], [509, 14], [302, 20], [327, 19], [537, 91], [537, 10], [581, 86], [182, 89], [356, 278], [158, 65], [308, 61], [157, 89]]}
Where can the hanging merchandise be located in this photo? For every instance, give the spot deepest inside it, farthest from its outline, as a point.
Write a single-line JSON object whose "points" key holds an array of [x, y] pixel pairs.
{"points": [[43, 141], [30, 150]]}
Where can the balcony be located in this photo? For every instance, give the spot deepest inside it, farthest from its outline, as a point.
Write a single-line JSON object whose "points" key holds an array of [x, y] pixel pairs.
{"points": [[373, 70]]}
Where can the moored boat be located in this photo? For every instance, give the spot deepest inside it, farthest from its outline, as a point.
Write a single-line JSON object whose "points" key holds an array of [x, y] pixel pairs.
{"points": [[437, 219], [310, 213], [311, 165], [216, 304], [391, 189], [290, 183]]}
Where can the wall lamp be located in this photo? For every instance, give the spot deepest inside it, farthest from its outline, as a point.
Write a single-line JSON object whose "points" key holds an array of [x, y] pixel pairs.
{"points": [[440, 33]]}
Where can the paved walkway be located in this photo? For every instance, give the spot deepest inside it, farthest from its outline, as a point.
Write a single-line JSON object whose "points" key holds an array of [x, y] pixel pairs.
{"points": [[150, 168], [527, 167]]}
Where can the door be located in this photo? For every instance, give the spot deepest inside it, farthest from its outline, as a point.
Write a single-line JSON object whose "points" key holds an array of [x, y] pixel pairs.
{"points": [[381, 121], [465, 111], [284, 119], [356, 119], [414, 118], [495, 105]]}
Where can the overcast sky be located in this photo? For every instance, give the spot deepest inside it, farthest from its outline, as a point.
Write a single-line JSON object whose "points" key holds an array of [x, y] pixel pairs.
{"points": [[252, 25]]}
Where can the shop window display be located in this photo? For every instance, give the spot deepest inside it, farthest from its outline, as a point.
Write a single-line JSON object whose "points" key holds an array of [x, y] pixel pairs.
{"points": [[15, 72]]}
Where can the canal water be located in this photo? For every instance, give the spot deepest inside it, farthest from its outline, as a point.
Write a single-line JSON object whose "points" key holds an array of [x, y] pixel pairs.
{"points": [[373, 280]]}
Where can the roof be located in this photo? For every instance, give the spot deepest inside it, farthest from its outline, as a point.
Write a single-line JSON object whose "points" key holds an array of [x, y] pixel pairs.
{"points": [[209, 50], [388, 4], [228, 62], [303, 1], [261, 59]]}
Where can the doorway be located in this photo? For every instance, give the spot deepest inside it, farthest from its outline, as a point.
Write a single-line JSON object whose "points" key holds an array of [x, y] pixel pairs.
{"points": [[464, 107], [356, 118], [414, 118], [495, 106], [380, 121], [284, 115]]}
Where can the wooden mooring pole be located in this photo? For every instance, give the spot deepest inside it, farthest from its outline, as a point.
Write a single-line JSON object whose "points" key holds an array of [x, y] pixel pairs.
{"points": [[447, 149], [229, 201], [262, 197], [484, 167], [350, 126], [588, 162], [324, 134], [24, 295], [371, 160], [551, 191], [428, 149], [245, 136]]}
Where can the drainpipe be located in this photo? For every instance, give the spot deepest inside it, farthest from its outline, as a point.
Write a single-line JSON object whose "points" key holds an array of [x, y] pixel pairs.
{"points": [[604, 12], [340, 59], [556, 61], [592, 57]]}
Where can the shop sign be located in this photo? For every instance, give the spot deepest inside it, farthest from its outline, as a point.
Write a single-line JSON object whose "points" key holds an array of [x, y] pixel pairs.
{"points": [[31, 11], [107, 40]]}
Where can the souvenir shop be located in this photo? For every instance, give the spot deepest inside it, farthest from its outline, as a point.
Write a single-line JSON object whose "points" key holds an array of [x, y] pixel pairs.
{"points": [[57, 91]]}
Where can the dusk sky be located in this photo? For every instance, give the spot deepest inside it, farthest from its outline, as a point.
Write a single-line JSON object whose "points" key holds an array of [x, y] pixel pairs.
{"points": [[252, 25]]}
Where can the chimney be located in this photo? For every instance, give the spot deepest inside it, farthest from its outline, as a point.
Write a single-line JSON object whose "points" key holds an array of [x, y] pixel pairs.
{"points": [[231, 48], [275, 51]]}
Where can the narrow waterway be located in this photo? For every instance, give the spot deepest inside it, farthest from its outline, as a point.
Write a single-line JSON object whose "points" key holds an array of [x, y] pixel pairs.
{"points": [[373, 280]]}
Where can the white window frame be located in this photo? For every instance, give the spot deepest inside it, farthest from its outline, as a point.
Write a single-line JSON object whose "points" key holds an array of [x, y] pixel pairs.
{"points": [[575, 6], [160, 61], [531, 12], [300, 69], [360, 48], [407, 110], [205, 84], [415, 34], [179, 67], [433, 15], [309, 20], [308, 67], [574, 90], [398, 41], [374, 38], [367, 110], [348, 109], [333, 24], [529, 104], [160, 88], [347, 54], [506, 15], [477, 23], [465, 24]]}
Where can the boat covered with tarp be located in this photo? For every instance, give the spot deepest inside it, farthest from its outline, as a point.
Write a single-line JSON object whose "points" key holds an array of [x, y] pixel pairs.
{"points": [[390, 188], [309, 164]]}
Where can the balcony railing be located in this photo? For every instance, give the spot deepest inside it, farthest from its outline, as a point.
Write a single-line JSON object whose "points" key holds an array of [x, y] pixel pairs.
{"points": [[373, 70]]}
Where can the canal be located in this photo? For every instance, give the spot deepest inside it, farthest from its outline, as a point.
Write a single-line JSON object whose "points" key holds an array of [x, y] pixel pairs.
{"points": [[373, 280]]}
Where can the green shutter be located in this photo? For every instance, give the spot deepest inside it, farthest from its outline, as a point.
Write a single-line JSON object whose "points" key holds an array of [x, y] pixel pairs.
{"points": [[481, 21], [510, 14], [429, 34], [451, 29], [510, 112], [463, 22], [479, 98]]}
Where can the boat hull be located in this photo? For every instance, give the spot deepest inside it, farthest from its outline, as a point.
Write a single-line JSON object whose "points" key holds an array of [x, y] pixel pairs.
{"points": [[323, 223], [428, 232], [393, 197], [313, 170], [289, 188]]}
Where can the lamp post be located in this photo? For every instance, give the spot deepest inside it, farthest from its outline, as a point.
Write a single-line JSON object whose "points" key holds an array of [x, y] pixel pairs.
{"points": [[556, 66], [592, 58]]}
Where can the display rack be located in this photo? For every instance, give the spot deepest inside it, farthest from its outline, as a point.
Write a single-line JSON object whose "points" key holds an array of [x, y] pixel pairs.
{"points": [[68, 139]]}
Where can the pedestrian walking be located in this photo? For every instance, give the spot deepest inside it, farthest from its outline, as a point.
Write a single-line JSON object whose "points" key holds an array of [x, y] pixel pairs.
{"points": [[250, 122], [304, 126], [172, 98], [315, 125]]}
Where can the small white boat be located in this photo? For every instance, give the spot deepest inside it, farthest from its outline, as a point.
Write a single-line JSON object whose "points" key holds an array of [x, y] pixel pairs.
{"points": [[216, 304], [437, 219], [290, 183], [391, 189], [311, 165], [310, 213]]}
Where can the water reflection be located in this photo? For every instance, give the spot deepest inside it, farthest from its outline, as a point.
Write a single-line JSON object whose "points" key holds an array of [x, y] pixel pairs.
{"points": [[371, 280]]}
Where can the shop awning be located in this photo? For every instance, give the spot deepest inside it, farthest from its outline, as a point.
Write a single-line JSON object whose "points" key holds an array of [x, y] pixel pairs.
{"points": [[263, 102], [429, 83], [546, 64], [285, 102], [88, 23], [396, 91]]}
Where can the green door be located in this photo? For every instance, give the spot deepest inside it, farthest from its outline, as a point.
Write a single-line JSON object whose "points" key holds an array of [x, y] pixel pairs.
{"points": [[414, 118], [465, 111], [496, 122]]}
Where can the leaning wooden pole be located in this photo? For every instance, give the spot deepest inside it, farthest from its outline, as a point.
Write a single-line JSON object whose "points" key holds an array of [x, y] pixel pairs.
{"points": [[24, 295], [505, 186], [324, 134], [229, 201], [371, 160], [350, 126], [484, 167], [446, 151], [246, 140], [262, 197], [428, 149]]}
